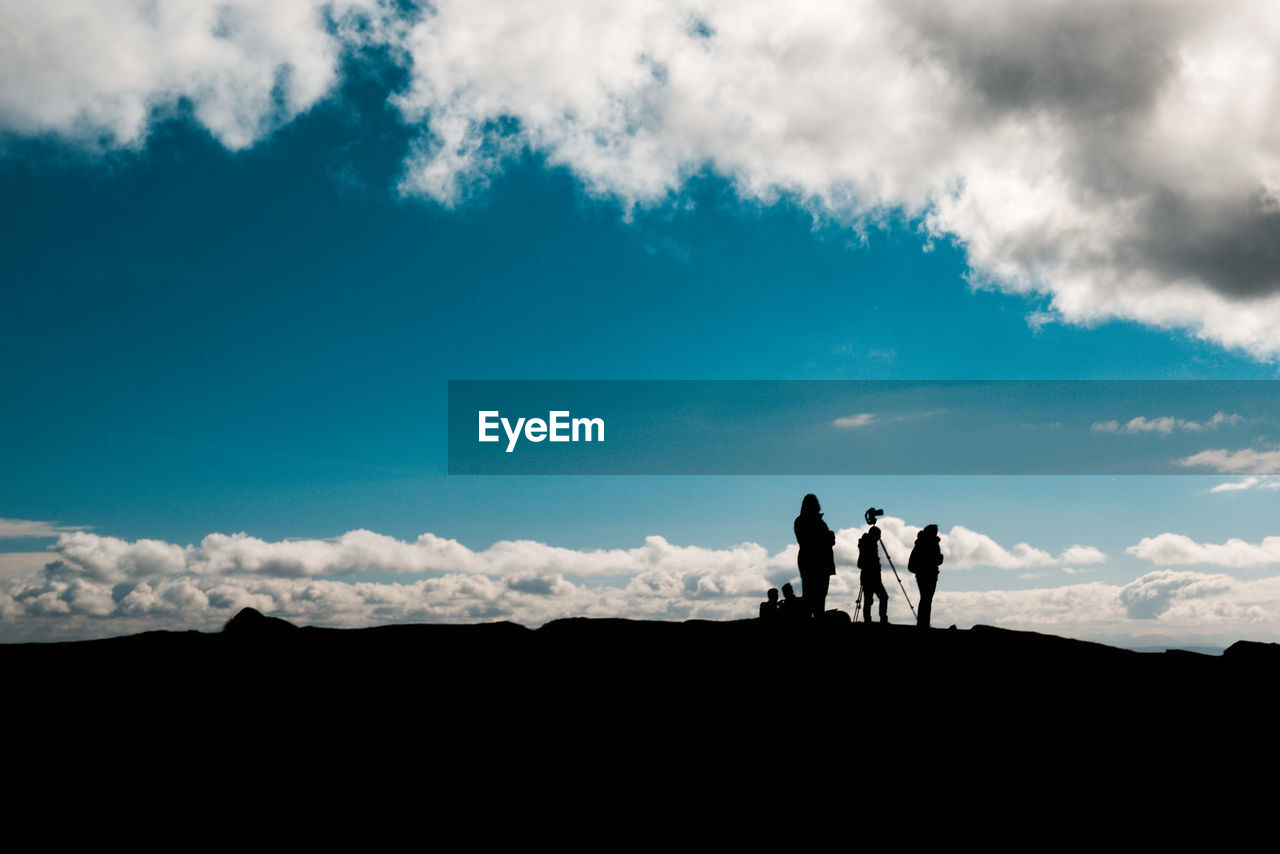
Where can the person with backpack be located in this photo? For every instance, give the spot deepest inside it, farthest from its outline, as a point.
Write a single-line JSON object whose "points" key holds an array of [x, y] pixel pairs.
{"points": [[926, 557], [817, 561], [869, 566]]}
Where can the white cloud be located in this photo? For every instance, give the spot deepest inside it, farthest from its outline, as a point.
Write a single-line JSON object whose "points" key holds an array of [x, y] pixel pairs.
{"points": [[99, 71], [1165, 425], [1194, 607], [1179, 549], [152, 583], [1248, 483], [1244, 461], [962, 549], [64, 604], [16, 529], [862, 419], [1082, 555], [1118, 159], [113, 559], [1158, 592]]}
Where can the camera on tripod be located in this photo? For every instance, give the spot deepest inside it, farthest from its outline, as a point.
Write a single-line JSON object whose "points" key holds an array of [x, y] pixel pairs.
{"points": [[872, 515]]}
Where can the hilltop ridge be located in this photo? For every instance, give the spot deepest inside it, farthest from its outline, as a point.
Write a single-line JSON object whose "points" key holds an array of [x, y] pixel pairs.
{"points": [[609, 697]]}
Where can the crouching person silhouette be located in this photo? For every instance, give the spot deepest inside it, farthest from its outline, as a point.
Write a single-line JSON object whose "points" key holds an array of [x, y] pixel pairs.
{"points": [[817, 556], [792, 609], [769, 612], [869, 576], [926, 557]]}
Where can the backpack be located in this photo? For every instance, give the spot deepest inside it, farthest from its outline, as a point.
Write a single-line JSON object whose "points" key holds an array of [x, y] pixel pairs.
{"points": [[868, 556]]}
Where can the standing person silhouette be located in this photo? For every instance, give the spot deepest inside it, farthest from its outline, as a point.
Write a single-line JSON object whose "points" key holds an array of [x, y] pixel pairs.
{"points": [[872, 584], [817, 556], [926, 557]]}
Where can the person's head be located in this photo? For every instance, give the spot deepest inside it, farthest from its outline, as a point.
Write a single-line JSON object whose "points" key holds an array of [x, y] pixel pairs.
{"points": [[809, 506], [773, 594], [873, 532], [788, 591], [931, 530]]}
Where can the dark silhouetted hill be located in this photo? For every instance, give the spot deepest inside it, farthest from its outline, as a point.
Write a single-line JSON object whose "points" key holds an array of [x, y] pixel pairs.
{"points": [[587, 711]]}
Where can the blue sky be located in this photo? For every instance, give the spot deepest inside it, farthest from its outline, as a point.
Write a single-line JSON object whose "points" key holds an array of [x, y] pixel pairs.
{"points": [[217, 325]]}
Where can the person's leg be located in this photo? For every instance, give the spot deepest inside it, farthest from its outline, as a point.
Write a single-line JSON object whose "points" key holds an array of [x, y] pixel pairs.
{"points": [[928, 582], [819, 604], [877, 587]]}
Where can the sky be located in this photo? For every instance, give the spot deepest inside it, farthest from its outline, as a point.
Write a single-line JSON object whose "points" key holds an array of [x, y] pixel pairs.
{"points": [[245, 247]]}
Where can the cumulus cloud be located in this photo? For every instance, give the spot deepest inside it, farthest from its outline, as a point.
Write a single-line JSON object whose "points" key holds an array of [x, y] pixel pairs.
{"points": [[64, 602], [1179, 549], [1115, 160], [1193, 606], [1082, 555], [147, 583], [1165, 425], [101, 71], [1243, 461], [113, 559], [1118, 159], [1157, 592]]}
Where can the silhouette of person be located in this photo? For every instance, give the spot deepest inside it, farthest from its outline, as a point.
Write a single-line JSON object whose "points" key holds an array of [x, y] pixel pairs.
{"points": [[926, 557], [817, 557], [869, 576], [792, 609], [769, 610]]}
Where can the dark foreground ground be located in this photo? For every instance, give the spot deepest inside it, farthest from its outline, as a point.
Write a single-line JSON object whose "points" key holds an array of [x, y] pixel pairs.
{"points": [[765, 722]]}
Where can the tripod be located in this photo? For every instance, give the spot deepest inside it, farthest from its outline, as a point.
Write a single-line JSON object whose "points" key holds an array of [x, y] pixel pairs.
{"points": [[900, 584]]}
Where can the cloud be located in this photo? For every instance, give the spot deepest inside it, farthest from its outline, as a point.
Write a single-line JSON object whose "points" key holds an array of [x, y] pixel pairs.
{"points": [[1082, 555], [866, 419], [1157, 592], [1247, 483], [1192, 606], [16, 529], [1244, 461], [964, 549], [853, 421], [62, 604], [114, 559], [21, 564], [1111, 161], [101, 71], [1179, 549], [1165, 425], [1117, 159], [90, 582], [81, 554]]}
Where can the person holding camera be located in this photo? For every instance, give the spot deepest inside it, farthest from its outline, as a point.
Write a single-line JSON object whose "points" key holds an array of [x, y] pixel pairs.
{"points": [[869, 576]]}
